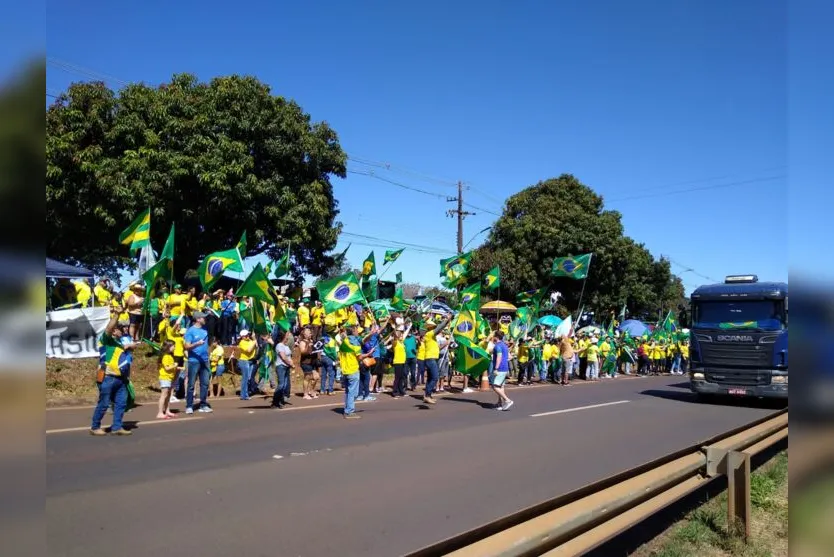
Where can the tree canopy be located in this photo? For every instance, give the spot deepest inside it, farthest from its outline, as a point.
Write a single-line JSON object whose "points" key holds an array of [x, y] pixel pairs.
{"points": [[216, 158], [561, 217]]}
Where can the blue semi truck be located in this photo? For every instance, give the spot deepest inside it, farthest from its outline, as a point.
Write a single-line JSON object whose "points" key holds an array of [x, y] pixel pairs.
{"points": [[739, 338]]}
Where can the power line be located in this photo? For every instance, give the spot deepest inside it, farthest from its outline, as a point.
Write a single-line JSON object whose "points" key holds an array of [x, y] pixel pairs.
{"points": [[371, 174], [704, 188], [394, 168], [398, 244], [482, 210], [702, 180], [81, 70]]}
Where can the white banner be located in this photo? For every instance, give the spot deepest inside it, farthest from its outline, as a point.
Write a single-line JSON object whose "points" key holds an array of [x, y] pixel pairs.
{"points": [[74, 333]]}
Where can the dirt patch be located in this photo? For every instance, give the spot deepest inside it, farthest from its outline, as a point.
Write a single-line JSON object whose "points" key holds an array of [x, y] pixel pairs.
{"points": [[703, 532]]}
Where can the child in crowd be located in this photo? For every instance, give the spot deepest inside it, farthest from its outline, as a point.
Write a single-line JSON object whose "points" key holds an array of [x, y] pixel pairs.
{"points": [[167, 373]]}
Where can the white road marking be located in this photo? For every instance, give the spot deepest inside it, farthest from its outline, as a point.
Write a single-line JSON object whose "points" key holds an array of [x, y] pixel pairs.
{"points": [[277, 457], [566, 410], [149, 422]]}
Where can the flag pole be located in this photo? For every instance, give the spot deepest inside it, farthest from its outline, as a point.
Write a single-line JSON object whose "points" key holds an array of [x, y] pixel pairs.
{"points": [[584, 282]]}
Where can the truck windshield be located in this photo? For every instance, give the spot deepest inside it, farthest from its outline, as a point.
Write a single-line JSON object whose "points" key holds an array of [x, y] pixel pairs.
{"points": [[761, 314]]}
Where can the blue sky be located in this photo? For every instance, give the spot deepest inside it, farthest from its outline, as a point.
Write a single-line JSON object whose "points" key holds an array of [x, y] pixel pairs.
{"points": [[676, 112]]}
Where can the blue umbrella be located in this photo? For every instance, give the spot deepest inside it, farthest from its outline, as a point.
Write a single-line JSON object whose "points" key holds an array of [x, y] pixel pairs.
{"points": [[633, 327], [550, 321]]}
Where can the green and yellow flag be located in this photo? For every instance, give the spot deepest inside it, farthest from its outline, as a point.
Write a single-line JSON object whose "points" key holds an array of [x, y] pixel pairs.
{"points": [[392, 255], [492, 280], [455, 276], [465, 325], [470, 297], [370, 289], [463, 260], [260, 323], [257, 286], [398, 301], [162, 271], [282, 266], [241, 244], [339, 292], [215, 264], [472, 360], [532, 297], [168, 250], [572, 267], [399, 278], [138, 234], [369, 266]]}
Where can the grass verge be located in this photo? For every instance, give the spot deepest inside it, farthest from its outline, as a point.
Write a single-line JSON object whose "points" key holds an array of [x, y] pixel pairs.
{"points": [[703, 532]]}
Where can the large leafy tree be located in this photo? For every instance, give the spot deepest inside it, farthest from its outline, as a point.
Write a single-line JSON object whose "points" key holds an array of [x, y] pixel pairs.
{"points": [[215, 158], [561, 217]]}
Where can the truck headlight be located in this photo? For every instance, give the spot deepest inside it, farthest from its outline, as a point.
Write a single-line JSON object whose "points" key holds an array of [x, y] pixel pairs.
{"points": [[779, 380], [698, 375]]}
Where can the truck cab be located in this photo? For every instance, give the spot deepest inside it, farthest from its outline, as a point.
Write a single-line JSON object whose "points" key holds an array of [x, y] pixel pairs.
{"points": [[739, 338]]}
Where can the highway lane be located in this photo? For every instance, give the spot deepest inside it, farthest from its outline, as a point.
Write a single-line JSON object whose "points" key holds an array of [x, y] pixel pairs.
{"points": [[400, 478]]}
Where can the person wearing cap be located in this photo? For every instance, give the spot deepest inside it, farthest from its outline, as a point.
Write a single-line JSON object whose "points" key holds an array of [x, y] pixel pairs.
{"points": [[114, 384], [432, 355], [303, 314], [197, 344], [247, 350]]}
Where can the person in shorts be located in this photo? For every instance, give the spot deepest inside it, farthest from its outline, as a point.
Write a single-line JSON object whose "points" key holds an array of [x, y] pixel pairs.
{"points": [[500, 369], [167, 373]]}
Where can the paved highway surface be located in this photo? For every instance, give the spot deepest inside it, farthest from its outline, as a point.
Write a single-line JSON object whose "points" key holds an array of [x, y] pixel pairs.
{"points": [[251, 481]]}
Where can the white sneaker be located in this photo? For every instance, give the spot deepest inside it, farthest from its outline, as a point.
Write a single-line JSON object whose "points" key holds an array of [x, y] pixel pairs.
{"points": [[468, 390], [189, 410], [174, 399], [507, 405]]}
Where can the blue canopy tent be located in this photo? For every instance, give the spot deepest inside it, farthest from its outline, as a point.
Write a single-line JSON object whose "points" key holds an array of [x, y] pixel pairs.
{"points": [[57, 270]]}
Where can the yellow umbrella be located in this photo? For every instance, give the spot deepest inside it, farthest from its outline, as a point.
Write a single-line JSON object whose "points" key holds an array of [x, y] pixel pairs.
{"points": [[498, 307]]}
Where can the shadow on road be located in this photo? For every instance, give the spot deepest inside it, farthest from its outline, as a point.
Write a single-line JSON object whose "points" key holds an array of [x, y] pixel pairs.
{"points": [[485, 405], [692, 398]]}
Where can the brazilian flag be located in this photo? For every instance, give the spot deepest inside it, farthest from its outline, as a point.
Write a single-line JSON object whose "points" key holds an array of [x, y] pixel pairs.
{"points": [[339, 292], [455, 276], [471, 360], [466, 324], [462, 260], [369, 266], [392, 255], [572, 267], [470, 297], [257, 286], [282, 266], [492, 280], [215, 264], [398, 301]]}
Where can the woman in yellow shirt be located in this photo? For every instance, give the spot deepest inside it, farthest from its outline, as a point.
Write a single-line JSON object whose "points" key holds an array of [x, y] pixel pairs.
{"points": [[217, 365], [167, 374], [398, 346], [421, 358], [247, 350]]}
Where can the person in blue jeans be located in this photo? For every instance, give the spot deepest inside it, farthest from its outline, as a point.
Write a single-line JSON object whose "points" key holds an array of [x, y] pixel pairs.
{"points": [[113, 388], [410, 343], [370, 346], [195, 341], [328, 360], [283, 365]]}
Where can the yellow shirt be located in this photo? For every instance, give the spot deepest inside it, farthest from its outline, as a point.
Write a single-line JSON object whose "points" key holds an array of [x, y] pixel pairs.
{"points": [[176, 304], [165, 365], [83, 293], [421, 351], [399, 352], [248, 349], [341, 315], [175, 335], [592, 352], [348, 360], [162, 329], [102, 295], [303, 316], [432, 349], [216, 358], [523, 353], [604, 350], [547, 353], [684, 350], [330, 320], [316, 315], [554, 354], [352, 319]]}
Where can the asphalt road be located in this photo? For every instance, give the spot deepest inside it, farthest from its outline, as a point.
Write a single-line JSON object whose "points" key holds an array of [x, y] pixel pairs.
{"points": [[251, 481]]}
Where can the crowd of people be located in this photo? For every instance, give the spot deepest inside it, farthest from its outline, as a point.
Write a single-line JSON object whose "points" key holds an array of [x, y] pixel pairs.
{"points": [[200, 337]]}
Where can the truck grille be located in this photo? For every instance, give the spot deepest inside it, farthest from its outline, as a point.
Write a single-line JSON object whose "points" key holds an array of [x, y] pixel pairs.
{"points": [[733, 355], [738, 377]]}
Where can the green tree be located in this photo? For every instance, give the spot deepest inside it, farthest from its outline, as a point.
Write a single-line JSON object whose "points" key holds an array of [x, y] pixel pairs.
{"points": [[561, 217], [217, 158]]}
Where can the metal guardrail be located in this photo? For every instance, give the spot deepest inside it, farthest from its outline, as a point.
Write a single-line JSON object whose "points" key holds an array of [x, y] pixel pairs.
{"points": [[576, 523]]}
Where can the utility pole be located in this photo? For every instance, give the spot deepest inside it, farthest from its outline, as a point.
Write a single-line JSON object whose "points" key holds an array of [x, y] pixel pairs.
{"points": [[460, 213]]}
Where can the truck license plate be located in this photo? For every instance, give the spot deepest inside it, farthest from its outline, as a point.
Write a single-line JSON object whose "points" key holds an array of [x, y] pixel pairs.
{"points": [[737, 391]]}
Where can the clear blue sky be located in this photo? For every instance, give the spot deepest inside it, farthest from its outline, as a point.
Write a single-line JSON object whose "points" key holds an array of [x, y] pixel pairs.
{"points": [[643, 101]]}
